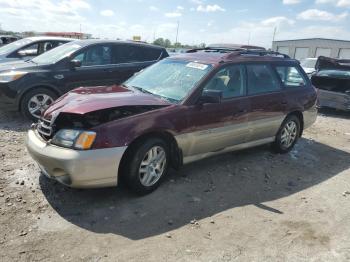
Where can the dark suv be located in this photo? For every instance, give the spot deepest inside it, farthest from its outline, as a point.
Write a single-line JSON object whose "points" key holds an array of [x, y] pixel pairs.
{"points": [[31, 86], [179, 110]]}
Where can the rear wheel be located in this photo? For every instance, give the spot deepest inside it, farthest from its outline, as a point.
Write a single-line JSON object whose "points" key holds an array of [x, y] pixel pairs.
{"points": [[146, 165], [288, 135], [36, 101]]}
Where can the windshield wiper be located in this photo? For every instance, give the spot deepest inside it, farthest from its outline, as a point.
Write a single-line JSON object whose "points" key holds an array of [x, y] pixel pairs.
{"points": [[142, 90], [148, 92]]}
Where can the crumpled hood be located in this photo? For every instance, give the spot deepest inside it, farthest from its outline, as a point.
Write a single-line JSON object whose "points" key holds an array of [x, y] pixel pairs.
{"points": [[88, 99]]}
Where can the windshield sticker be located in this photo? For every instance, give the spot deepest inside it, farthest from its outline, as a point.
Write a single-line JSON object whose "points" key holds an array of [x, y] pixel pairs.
{"points": [[197, 65]]}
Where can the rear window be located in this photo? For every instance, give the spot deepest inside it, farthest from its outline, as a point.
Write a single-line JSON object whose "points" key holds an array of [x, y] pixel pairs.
{"points": [[290, 76]]}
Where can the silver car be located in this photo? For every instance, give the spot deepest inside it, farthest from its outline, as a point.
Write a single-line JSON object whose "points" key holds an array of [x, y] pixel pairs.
{"points": [[28, 48]]}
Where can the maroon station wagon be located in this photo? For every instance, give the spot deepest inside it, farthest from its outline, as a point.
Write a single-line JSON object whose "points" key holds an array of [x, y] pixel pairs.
{"points": [[181, 109]]}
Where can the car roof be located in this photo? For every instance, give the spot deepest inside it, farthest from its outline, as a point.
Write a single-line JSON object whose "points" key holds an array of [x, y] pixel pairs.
{"points": [[87, 42], [235, 46], [41, 38], [222, 55]]}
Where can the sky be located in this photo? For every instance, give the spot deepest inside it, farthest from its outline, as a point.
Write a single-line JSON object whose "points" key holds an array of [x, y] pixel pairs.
{"points": [[200, 21]]}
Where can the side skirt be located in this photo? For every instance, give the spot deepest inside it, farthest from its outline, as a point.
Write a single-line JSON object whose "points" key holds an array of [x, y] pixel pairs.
{"points": [[190, 159]]}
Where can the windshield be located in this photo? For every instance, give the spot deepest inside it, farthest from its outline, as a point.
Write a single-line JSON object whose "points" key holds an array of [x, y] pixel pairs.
{"points": [[169, 79], [14, 46], [56, 54], [308, 63]]}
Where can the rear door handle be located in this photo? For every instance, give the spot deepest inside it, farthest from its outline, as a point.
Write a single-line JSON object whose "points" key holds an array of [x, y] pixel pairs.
{"points": [[284, 102]]}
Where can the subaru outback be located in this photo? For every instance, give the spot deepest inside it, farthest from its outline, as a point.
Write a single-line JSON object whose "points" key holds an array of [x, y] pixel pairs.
{"points": [[181, 109]]}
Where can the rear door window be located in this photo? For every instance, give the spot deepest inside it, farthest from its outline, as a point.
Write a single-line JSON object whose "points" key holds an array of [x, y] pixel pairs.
{"points": [[261, 79], [290, 76], [124, 54], [132, 53]]}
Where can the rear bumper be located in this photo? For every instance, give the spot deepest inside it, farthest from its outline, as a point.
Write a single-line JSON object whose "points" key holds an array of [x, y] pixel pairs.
{"points": [[310, 116], [335, 100], [80, 169]]}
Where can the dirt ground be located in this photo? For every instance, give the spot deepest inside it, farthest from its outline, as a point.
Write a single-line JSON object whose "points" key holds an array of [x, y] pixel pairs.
{"points": [[251, 205]]}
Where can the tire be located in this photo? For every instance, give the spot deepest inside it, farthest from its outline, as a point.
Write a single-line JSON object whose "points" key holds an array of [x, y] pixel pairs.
{"points": [[287, 135], [142, 172], [39, 99]]}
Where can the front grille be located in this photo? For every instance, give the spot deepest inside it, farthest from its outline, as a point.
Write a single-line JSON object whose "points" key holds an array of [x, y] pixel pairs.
{"points": [[45, 128]]}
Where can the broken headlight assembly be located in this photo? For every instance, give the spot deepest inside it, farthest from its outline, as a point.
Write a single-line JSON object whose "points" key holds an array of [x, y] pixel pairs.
{"points": [[76, 139]]}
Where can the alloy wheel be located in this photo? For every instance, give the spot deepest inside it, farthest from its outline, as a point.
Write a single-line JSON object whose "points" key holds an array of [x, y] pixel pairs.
{"points": [[289, 134], [38, 104], [152, 166]]}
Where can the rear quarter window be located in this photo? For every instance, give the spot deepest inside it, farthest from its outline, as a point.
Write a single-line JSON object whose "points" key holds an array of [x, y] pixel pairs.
{"points": [[149, 54], [291, 76]]}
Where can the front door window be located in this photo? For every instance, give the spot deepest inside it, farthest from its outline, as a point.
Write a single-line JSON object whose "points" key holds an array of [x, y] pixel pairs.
{"points": [[229, 80], [95, 56]]}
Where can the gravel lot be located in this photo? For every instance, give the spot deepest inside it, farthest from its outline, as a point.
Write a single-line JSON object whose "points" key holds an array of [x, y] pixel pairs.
{"points": [[251, 205]]}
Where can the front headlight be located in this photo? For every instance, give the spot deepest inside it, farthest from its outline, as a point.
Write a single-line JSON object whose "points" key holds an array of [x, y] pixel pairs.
{"points": [[11, 76], [71, 138]]}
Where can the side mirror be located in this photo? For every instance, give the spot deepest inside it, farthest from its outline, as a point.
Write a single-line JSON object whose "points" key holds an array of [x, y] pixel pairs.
{"points": [[24, 53], [210, 97], [75, 63]]}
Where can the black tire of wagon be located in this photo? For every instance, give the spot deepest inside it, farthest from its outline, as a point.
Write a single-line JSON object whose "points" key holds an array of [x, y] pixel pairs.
{"points": [[277, 145], [131, 174]]}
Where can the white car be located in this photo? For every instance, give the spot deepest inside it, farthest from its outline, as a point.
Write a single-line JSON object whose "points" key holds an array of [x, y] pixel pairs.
{"points": [[28, 48], [308, 64]]}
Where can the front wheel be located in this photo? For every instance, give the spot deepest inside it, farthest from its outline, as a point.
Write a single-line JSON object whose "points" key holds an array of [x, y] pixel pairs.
{"points": [[287, 135], [146, 166]]}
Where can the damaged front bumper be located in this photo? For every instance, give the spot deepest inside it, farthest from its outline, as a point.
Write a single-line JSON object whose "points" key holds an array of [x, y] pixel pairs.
{"points": [[333, 99], [74, 168]]}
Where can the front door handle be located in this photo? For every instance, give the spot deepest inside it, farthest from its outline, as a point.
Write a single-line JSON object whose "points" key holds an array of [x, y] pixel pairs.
{"points": [[284, 103]]}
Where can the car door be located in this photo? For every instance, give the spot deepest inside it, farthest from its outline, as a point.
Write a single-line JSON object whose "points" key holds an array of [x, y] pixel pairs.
{"points": [[94, 70], [220, 125], [267, 100]]}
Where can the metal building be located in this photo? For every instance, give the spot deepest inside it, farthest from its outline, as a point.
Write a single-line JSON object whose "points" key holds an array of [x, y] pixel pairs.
{"points": [[313, 47]]}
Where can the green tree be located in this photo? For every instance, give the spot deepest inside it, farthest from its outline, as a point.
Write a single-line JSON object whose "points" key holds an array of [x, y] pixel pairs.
{"points": [[159, 41], [177, 45], [167, 43]]}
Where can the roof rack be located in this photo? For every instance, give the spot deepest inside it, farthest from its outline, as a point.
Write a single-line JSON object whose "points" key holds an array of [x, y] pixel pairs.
{"points": [[262, 53], [239, 51], [215, 49]]}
